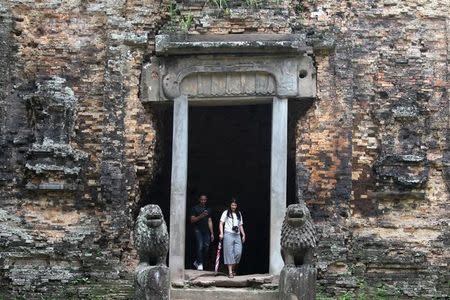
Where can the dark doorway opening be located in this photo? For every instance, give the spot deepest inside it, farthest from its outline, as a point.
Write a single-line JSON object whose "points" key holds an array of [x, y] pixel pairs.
{"points": [[229, 156], [244, 134]]}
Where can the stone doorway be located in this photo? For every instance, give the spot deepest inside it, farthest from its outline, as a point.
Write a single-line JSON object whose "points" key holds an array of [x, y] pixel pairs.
{"points": [[229, 155], [230, 70]]}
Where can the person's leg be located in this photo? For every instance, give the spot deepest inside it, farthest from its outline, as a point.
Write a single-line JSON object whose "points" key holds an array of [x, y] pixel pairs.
{"points": [[228, 252], [237, 252], [199, 248], [205, 241], [230, 271]]}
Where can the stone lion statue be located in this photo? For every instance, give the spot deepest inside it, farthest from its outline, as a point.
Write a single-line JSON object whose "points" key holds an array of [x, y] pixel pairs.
{"points": [[150, 236], [297, 236]]}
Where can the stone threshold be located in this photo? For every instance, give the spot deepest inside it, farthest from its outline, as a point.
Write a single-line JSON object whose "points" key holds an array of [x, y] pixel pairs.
{"points": [[204, 279]]}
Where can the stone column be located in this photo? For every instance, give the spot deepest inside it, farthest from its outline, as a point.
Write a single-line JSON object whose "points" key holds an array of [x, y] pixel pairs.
{"points": [[178, 189], [278, 173]]}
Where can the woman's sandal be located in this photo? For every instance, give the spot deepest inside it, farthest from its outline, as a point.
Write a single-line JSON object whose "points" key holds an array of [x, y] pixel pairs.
{"points": [[230, 275]]}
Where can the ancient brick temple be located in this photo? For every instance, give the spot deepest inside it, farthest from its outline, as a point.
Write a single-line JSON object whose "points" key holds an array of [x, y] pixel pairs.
{"points": [[109, 105]]}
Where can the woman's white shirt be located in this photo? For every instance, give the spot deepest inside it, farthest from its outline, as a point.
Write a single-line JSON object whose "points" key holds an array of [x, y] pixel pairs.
{"points": [[229, 221]]}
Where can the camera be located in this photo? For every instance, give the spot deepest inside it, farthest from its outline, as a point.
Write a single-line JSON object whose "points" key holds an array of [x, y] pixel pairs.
{"points": [[235, 229]]}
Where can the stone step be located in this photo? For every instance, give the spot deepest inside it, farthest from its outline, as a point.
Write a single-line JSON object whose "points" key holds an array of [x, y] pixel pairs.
{"points": [[205, 279], [217, 293]]}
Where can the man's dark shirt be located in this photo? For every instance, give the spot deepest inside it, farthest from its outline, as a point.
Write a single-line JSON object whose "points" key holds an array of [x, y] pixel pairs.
{"points": [[202, 224]]}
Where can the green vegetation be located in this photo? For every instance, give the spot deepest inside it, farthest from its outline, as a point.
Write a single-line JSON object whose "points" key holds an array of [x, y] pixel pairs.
{"points": [[320, 295], [363, 292], [178, 21], [81, 280], [299, 7], [6, 296], [186, 22], [223, 4], [88, 288], [254, 3], [173, 10]]}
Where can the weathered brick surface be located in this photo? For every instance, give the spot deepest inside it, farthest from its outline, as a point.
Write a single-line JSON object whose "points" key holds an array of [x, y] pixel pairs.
{"points": [[5, 88], [372, 152], [72, 228]]}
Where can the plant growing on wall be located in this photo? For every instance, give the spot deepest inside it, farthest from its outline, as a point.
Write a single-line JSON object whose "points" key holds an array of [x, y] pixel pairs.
{"points": [[304, 5], [299, 8], [223, 4], [254, 3], [186, 22], [173, 10], [177, 20]]}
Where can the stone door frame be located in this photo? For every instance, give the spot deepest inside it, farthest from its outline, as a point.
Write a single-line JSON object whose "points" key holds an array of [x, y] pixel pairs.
{"points": [[227, 70]]}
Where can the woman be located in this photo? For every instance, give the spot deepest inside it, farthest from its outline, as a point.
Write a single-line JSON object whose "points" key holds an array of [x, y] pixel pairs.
{"points": [[231, 228]]}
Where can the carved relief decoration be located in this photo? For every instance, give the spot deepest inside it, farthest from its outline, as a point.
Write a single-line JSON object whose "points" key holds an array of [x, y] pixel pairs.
{"points": [[249, 75], [207, 85]]}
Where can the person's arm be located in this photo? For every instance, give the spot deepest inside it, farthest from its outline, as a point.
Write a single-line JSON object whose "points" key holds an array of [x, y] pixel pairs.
{"points": [[241, 228], [210, 225], [221, 230], [195, 219]]}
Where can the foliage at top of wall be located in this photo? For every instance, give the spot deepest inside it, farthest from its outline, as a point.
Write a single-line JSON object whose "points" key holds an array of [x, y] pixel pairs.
{"points": [[178, 21], [182, 19]]}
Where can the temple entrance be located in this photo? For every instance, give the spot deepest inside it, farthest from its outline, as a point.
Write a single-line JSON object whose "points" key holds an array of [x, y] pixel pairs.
{"points": [[229, 156], [231, 70]]}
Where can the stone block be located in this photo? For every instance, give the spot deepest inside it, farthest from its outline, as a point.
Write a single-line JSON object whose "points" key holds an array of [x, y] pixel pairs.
{"points": [[297, 283], [151, 282]]}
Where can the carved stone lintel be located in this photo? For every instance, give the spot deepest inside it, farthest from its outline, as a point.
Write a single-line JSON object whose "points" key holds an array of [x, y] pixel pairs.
{"points": [[233, 43], [261, 68]]}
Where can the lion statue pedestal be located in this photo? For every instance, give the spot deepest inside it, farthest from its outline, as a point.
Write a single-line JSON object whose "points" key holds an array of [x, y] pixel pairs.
{"points": [[298, 241], [151, 279], [297, 283]]}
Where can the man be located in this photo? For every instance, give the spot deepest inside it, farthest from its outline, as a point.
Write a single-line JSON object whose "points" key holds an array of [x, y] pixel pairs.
{"points": [[203, 230]]}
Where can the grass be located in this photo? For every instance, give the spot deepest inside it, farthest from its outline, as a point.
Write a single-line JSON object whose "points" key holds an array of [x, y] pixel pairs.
{"points": [[173, 10], [223, 4], [254, 3], [363, 292], [186, 22]]}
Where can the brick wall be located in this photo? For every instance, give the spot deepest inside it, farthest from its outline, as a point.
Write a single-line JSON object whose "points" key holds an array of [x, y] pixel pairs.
{"points": [[372, 152]]}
